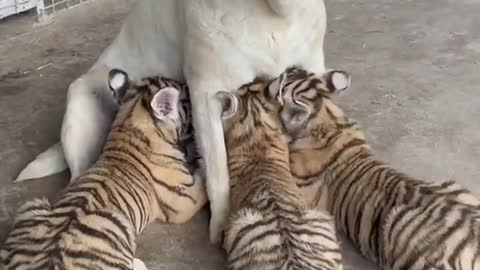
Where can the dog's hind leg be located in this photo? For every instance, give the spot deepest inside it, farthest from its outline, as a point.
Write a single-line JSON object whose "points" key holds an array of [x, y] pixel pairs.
{"points": [[91, 109]]}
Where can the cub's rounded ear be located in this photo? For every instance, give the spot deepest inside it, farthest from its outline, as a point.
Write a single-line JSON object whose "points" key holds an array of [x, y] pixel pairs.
{"points": [[118, 82], [275, 88], [337, 80], [229, 103], [164, 104]]}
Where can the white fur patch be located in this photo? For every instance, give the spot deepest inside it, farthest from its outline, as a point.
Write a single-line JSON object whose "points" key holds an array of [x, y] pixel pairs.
{"points": [[118, 80], [340, 81], [139, 264]]}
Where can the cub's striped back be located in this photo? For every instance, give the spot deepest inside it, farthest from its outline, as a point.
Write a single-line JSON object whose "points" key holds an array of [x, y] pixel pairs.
{"points": [[397, 221], [141, 176], [270, 226]]}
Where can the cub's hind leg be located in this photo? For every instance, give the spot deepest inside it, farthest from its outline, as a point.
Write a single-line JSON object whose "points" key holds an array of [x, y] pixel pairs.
{"points": [[195, 199], [139, 264], [180, 197]]}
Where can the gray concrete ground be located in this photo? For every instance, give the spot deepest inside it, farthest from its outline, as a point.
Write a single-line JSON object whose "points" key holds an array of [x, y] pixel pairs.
{"points": [[415, 68]]}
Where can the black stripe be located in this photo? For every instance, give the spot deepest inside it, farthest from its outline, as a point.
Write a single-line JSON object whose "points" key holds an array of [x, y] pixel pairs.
{"points": [[338, 154], [76, 254], [174, 189]]}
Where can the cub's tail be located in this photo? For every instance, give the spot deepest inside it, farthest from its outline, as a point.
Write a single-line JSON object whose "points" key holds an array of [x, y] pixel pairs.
{"points": [[47, 163]]}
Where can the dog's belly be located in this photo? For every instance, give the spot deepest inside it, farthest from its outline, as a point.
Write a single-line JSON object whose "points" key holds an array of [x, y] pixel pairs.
{"points": [[247, 37]]}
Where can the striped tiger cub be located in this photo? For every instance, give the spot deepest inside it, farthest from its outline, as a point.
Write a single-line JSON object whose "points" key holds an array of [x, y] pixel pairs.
{"points": [[270, 226], [395, 220], [141, 176]]}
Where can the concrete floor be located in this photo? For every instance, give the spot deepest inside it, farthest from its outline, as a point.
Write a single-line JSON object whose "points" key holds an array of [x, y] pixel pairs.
{"points": [[415, 90]]}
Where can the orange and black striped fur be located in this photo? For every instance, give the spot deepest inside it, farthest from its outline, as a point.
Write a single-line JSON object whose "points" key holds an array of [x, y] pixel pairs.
{"points": [[141, 176], [397, 221], [270, 226]]}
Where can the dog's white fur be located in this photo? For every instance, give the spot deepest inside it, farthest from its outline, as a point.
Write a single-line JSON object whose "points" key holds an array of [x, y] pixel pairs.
{"points": [[213, 44]]}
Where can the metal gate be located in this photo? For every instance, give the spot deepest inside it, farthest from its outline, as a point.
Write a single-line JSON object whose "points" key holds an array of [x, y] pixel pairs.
{"points": [[11, 7], [44, 7]]}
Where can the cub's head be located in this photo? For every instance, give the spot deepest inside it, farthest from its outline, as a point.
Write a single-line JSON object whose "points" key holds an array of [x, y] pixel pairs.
{"points": [[307, 107], [250, 114], [152, 105], [318, 130]]}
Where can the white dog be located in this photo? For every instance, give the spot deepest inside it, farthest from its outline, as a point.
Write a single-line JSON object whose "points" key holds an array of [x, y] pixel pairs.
{"points": [[212, 44]]}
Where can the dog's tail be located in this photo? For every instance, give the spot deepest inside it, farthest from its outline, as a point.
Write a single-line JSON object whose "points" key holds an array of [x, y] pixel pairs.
{"points": [[47, 163]]}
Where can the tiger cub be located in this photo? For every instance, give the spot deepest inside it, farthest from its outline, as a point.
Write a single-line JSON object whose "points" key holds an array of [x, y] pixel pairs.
{"points": [[141, 176], [270, 226], [395, 220]]}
